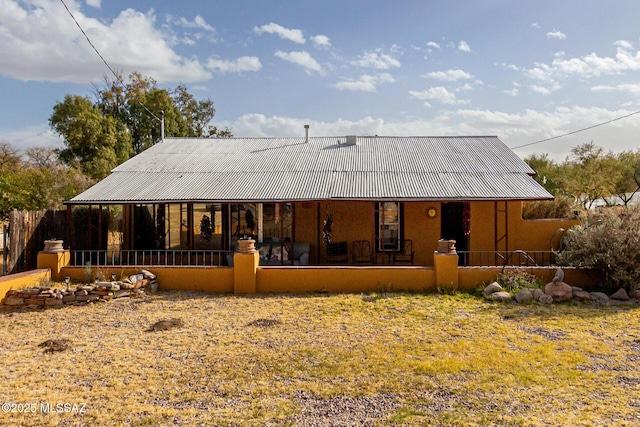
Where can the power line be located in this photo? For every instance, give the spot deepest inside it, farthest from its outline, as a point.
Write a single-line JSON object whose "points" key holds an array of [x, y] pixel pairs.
{"points": [[118, 78], [576, 131]]}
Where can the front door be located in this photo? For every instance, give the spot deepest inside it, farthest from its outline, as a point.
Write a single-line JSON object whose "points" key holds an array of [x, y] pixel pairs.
{"points": [[454, 224]]}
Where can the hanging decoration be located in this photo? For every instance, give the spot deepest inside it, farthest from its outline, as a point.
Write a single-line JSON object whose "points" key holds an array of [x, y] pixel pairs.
{"points": [[206, 231], [326, 229], [466, 218]]}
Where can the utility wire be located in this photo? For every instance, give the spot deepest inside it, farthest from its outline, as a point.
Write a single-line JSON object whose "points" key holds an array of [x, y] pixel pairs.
{"points": [[118, 78], [577, 131]]}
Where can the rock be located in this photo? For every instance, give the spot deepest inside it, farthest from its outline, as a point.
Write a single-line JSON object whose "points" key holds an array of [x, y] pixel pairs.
{"points": [[34, 301], [620, 295], [82, 298], [537, 293], [81, 292], [68, 298], [133, 279], [147, 274], [125, 285], [581, 296], [491, 288], [600, 298], [11, 293], [53, 302], [11, 300], [576, 289], [524, 296], [154, 287], [545, 299], [121, 293], [115, 287], [501, 296], [559, 291]]}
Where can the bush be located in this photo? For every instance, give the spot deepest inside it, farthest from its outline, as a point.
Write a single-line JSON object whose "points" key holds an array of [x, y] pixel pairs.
{"points": [[515, 280], [560, 207], [609, 246]]}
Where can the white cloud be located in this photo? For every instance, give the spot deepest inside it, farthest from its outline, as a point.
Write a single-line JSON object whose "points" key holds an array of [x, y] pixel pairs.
{"points": [[464, 46], [624, 44], [94, 3], [588, 66], [433, 45], [301, 58], [555, 34], [198, 23], [438, 93], [627, 88], [377, 59], [244, 63], [449, 75], [365, 83], [321, 41], [41, 42], [535, 25], [512, 92], [293, 35]]}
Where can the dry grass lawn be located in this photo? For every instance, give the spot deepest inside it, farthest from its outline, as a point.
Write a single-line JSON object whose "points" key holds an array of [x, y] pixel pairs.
{"points": [[322, 360]]}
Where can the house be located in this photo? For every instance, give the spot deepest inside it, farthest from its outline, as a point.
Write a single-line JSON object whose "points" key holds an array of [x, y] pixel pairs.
{"points": [[195, 197]]}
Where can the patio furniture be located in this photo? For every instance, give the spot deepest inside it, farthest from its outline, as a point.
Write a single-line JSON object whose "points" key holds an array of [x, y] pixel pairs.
{"points": [[337, 252], [406, 254], [361, 252]]}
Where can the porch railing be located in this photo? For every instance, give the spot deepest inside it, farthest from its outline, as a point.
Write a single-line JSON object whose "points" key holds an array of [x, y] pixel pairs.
{"points": [[506, 258], [150, 257]]}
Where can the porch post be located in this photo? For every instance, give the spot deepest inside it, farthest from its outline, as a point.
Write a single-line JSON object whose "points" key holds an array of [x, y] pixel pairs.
{"points": [[245, 267], [445, 263]]}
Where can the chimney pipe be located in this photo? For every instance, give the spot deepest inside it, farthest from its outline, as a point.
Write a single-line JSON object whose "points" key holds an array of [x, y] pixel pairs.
{"points": [[306, 134], [162, 126]]}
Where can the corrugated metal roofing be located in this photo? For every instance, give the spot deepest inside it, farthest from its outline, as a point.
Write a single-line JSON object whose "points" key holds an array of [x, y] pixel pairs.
{"points": [[289, 169]]}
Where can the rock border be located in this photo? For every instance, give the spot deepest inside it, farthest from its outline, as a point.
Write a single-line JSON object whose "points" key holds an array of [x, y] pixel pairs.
{"points": [[45, 296]]}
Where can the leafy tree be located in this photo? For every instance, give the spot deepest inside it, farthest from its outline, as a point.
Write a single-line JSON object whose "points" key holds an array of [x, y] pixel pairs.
{"points": [[548, 172], [140, 104], [9, 157], [628, 182], [590, 174], [95, 143], [40, 182]]}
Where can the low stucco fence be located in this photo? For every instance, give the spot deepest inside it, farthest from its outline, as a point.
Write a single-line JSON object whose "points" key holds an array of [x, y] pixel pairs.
{"points": [[248, 277]]}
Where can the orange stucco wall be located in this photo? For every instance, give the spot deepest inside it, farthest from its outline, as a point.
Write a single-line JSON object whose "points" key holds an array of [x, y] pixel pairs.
{"points": [[198, 279], [344, 279], [24, 280]]}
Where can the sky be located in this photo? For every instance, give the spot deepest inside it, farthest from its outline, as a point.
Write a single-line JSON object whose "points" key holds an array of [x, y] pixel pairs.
{"points": [[522, 70]]}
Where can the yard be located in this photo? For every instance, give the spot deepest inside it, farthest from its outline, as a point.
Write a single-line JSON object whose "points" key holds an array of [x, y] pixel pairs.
{"points": [[320, 360]]}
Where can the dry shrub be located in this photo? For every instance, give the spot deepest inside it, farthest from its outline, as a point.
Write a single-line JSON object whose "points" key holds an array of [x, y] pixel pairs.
{"points": [[560, 207], [610, 247]]}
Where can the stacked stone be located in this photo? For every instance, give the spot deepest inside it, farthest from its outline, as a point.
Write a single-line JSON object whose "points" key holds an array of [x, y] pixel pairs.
{"points": [[44, 296], [560, 292]]}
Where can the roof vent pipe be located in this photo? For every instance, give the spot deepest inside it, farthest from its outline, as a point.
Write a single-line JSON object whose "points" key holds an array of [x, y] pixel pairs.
{"points": [[306, 134], [162, 126], [352, 140]]}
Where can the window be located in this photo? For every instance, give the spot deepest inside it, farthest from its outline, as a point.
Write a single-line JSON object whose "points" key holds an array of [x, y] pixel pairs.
{"points": [[388, 226]]}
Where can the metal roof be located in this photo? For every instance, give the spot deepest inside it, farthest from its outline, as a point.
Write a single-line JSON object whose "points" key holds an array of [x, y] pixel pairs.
{"points": [[324, 168]]}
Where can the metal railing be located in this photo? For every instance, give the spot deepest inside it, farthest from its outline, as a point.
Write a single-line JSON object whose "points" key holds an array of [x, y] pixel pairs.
{"points": [[506, 258], [150, 257]]}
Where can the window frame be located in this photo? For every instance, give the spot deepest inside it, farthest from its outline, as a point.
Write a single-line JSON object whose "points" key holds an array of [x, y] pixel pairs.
{"points": [[381, 245]]}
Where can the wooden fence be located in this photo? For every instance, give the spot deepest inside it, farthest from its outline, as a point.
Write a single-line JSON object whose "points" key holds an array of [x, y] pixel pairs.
{"points": [[27, 232]]}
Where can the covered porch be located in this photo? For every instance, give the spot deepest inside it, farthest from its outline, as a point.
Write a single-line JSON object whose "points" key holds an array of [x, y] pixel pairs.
{"points": [[313, 233]]}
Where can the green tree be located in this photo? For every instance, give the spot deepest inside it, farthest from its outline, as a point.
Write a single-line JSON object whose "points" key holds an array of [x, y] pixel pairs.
{"points": [[547, 171], [628, 182], [591, 174], [39, 182], [140, 104], [94, 142]]}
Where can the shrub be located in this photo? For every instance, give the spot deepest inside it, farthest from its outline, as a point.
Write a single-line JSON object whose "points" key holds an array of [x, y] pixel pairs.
{"points": [[560, 207], [610, 247], [515, 280]]}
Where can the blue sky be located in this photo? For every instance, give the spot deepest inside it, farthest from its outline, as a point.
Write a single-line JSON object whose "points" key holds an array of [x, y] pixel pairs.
{"points": [[521, 70]]}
